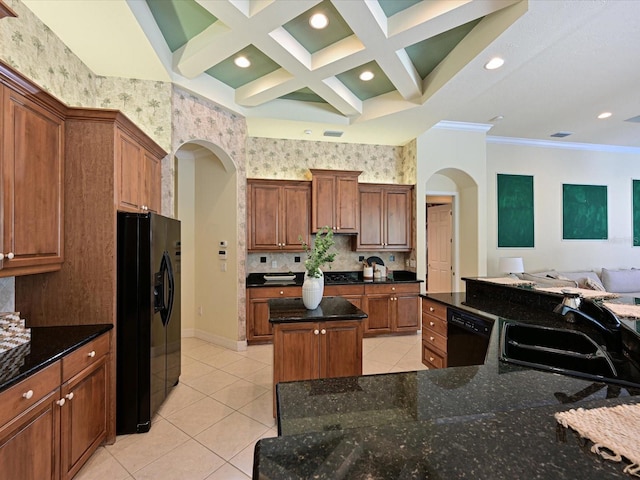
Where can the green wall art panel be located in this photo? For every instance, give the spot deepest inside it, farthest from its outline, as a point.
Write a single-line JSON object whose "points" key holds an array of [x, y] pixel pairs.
{"points": [[636, 215], [584, 212], [515, 211]]}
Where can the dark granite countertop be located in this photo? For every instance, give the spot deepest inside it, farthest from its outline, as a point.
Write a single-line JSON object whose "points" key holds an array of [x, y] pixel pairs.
{"points": [[286, 310], [491, 421], [352, 278], [47, 345]]}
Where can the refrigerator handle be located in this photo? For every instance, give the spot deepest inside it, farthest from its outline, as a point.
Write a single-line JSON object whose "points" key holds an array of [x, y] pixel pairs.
{"points": [[164, 289]]}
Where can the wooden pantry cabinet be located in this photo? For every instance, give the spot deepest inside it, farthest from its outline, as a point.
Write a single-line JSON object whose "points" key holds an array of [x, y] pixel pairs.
{"points": [[391, 308], [434, 334], [53, 421], [32, 158], [385, 216], [334, 200], [278, 214]]}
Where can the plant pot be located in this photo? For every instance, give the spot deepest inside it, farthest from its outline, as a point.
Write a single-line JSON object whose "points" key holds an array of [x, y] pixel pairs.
{"points": [[312, 291]]}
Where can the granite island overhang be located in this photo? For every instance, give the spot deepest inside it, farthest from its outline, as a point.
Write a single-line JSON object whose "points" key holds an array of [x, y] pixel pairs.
{"points": [[493, 421]]}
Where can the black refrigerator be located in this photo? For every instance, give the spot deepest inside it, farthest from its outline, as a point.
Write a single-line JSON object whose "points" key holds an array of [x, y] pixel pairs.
{"points": [[148, 310]]}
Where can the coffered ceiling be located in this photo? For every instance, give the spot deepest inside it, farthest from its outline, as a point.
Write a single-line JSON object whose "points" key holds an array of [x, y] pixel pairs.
{"points": [[565, 62]]}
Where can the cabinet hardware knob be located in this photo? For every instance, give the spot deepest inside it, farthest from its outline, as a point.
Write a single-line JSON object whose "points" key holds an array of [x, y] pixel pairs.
{"points": [[60, 402], [432, 324], [281, 292], [316, 332], [432, 338], [393, 289], [69, 396], [28, 394], [431, 309], [91, 354], [431, 359], [8, 256], [323, 331]]}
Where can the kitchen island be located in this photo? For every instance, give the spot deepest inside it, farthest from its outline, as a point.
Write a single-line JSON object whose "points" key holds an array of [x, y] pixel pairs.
{"points": [[320, 343], [490, 421]]}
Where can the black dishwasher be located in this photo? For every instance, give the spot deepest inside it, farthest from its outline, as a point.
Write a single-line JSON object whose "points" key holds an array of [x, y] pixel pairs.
{"points": [[467, 338]]}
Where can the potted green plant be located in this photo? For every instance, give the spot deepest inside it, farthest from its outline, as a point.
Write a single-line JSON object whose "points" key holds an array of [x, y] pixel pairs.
{"points": [[317, 256]]}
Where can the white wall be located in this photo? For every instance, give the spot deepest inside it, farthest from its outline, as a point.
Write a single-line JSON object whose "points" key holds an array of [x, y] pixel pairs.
{"points": [[457, 152], [551, 167]]}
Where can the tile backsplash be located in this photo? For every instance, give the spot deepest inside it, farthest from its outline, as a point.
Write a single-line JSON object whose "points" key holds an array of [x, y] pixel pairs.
{"points": [[346, 259]]}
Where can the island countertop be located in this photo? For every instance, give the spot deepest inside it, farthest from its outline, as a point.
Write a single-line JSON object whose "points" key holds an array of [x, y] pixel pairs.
{"points": [[283, 310], [491, 421]]}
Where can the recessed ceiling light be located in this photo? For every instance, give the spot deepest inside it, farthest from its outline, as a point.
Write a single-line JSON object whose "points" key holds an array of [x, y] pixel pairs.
{"points": [[366, 76], [604, 115], [495, 62], [318, 21], [242, 62], [308, 132]]}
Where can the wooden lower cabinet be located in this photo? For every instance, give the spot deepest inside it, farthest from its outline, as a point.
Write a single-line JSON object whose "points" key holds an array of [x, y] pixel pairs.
{"points": [[259, 329], [48, 430], [353, 293], [311, 350], [434, 334], [391, 308]]}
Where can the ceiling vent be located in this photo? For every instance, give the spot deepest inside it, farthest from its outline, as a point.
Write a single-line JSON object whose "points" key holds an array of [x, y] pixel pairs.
{"points": [[332, 133], [561, 134], [633, 119]]}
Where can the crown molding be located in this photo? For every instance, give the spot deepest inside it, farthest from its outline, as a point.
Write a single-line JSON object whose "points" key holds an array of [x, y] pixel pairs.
{"points": [[591, 147]]}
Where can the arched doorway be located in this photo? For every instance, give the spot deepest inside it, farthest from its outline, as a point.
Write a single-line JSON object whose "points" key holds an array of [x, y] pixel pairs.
{"points": [[205, 202]]}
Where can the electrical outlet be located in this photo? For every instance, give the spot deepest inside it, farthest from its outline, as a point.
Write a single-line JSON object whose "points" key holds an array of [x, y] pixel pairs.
{"points": [[274, 264], [263, 259], [223, 266], [200, 311], [392, 258]]}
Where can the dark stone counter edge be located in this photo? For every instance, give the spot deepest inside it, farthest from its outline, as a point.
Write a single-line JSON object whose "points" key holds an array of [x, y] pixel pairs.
{"points": [[67, 346], [257, 280], [291, 310]]}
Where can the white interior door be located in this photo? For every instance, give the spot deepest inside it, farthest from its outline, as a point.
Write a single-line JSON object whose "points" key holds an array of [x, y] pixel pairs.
{"points": [[439, 239]]}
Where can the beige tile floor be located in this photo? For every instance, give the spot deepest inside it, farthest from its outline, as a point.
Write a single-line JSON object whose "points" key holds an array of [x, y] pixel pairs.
{"points": [[208, 426]]}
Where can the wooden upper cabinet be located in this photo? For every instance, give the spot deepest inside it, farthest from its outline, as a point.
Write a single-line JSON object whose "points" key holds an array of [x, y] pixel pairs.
{"points": [[334, 200], [278, 213], [138, 176], [32, 158], [385, 217]]}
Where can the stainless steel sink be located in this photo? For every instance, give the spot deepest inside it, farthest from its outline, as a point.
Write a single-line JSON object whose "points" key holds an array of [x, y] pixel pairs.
{"points": [[555, 349]]}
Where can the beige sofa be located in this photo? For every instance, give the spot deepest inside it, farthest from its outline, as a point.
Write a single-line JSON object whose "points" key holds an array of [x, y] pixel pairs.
{"points": [[625, 282]]}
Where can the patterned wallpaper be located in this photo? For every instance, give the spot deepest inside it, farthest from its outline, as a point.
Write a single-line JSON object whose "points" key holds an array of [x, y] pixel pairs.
{"points": [[292, 159], [196, 119], [30, 47]]}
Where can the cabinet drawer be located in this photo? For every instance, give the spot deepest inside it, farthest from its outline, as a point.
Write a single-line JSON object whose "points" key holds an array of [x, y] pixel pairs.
{"points": [[84, 356], [434, 308], [28, 392], [275, 292], [342, 290], [432, 359], [393, 288], [435, 340], [434, 324]]}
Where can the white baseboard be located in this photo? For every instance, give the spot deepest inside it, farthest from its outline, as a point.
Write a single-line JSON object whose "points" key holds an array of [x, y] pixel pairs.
{"points": [[236, 345]]}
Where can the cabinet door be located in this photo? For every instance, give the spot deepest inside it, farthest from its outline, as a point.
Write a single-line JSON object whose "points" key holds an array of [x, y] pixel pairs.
{"points": [[407, 314], [83, 416], [151, 183], [32, 184], [34, 435], [296, 208], [347, 218], [129, 158], [397, 220], [296, 352], [378, 309], [371, 219], [259, 328], [264, 217], [340, 349], [324, 202]]}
